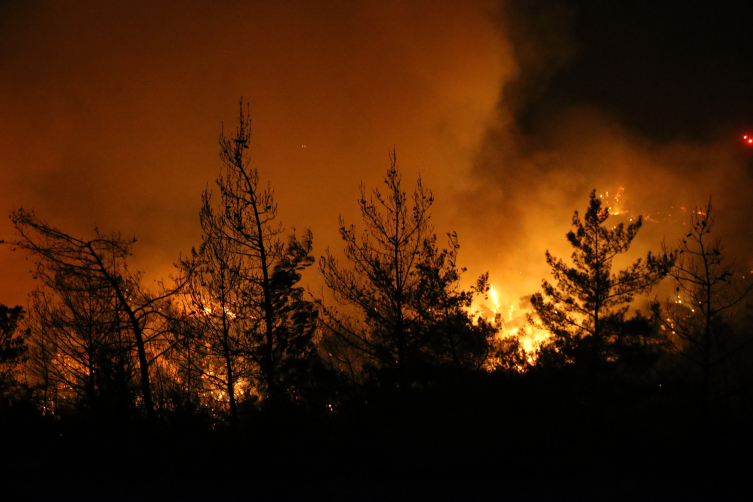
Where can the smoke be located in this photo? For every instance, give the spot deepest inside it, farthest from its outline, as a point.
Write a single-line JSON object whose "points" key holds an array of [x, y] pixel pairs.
{"points": [[532, 185], [111, 113], [542, 157]]}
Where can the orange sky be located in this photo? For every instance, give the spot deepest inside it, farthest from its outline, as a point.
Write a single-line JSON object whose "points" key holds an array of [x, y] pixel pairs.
{"points": [[109, 117]]}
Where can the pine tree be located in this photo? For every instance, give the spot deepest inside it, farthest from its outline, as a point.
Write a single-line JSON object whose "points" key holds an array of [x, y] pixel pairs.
{"points": [[219, 322], [585, 310], [698, 323], [257, 323], [403, 309], [450, 335]]}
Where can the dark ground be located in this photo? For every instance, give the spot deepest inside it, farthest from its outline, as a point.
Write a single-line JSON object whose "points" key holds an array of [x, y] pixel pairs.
{"points": [[526, 441]]}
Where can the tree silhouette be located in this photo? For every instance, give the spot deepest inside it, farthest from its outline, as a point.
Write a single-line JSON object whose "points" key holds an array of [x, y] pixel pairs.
{"points": [[585, 310], [451, 335], [12, 350], [68, 264], [409, 310], [255, 318], [220, 321], [78, 348], [698, 322]]}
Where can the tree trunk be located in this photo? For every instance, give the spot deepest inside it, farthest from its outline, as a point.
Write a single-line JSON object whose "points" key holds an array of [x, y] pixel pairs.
{"points": [[146, 389], [229, 367]]}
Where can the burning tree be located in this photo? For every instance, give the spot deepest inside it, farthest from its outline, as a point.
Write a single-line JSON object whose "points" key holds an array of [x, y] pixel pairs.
{"points": [[79, 351], [81, 271], [410, 310], [253, 322], [698, 322], [585, 311], [219, 320]]}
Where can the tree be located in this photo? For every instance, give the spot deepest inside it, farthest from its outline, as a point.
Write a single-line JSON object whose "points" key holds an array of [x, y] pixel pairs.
{"points": [[451, 335], [220, 321], [699, 321], [585, 311], [12, 350], [66, 264], [409, 310], [255, 318], [79, 352]]}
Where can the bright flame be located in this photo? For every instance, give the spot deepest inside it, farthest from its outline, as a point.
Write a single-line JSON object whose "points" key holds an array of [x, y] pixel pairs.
{"points": [[513, 325], [493, 294], [208, 312]]}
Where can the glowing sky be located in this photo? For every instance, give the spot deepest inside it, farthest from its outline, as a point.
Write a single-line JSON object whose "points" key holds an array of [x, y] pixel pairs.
{"points": [[512, 112]]}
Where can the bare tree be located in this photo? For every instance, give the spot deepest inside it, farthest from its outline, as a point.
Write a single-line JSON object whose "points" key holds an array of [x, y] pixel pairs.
{"points": [[67, 264], [78, 348], [708, 290]]}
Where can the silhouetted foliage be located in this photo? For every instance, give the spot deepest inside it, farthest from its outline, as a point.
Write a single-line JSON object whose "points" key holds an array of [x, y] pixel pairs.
{"points": [[219, 321], [80, 354], [404, 310], [699, 323], [585, 310], [72, 267], [12, 352], [449, 333], [253, 327]]}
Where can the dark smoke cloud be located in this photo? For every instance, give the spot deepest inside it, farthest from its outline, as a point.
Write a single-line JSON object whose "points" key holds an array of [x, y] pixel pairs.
{"points": [[552, 145]]}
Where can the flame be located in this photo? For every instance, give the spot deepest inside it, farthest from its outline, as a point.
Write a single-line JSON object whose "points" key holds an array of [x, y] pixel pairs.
{"points": [[208, 312], [513, 324], [511, 312], [493, 294]]}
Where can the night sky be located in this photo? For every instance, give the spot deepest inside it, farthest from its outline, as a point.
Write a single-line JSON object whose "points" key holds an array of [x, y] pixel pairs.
{"points": [[511, 112]]}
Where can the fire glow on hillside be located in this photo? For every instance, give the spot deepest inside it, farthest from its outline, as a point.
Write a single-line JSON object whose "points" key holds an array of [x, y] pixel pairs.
{"points": [[509, 307]]}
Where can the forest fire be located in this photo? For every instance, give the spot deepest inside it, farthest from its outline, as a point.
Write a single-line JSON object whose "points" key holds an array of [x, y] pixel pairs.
{"points": [[210, 347], [294, 323], [515, 315], [513, 324]]}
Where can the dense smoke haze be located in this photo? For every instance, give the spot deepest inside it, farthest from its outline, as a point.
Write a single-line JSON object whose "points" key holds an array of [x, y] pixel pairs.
{"points": [[109, 117]]}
